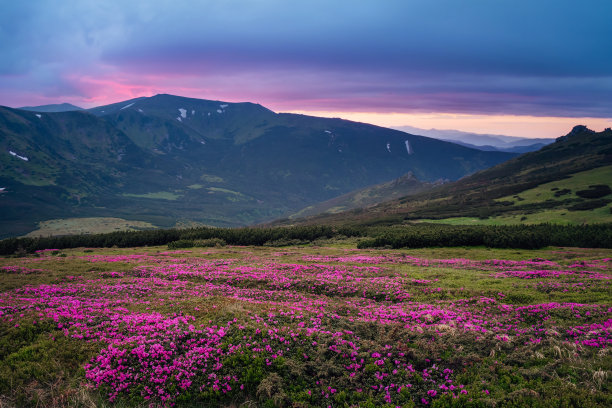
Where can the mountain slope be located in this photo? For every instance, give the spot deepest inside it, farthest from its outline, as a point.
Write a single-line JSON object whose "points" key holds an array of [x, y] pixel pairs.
{"points": [[400, 187], [494, 191], [166, 159], [53, 163]]}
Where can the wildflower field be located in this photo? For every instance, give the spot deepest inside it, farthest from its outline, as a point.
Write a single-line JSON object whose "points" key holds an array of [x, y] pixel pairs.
{"points": [[307, 326]]}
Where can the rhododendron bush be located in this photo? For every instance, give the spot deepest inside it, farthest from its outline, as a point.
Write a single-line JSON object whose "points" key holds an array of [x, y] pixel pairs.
{"points": [[306, 326]]}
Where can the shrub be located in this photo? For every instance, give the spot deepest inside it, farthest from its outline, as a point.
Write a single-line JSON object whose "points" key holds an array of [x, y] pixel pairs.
{"points": [[595, 191], [563, 192], [210, 242], [181, 243], [589, 205]]}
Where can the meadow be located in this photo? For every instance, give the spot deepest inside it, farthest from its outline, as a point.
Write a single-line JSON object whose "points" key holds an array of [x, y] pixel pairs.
{"points": [[315, 325]]}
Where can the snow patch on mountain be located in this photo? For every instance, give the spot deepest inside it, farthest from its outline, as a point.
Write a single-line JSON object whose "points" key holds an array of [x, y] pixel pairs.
{"points": [[12, 153], [408, 148], [39, 116], [126, 106], [183, 113]]}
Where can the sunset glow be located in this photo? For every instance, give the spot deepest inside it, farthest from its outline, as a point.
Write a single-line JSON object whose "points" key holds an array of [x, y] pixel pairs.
{"points": [[524, 126]]}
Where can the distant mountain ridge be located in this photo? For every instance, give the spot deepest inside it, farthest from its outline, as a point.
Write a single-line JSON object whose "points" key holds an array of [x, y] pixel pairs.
{"points": [[498, 190], [168, 159], [487, 142], [60, 107]]}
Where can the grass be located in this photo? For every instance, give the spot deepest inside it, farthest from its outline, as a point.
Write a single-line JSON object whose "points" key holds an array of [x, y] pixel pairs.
{"points": [[578, 181], [310, 326], [160, 195], [91, 225], [233, 196], [195, 186], [545, 193], [210, 178], [554, 216]]}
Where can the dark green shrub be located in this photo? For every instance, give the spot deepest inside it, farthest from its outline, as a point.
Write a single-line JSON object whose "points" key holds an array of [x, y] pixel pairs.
{"points": [[595, 191], [210, 242], [181, 243], [563, 192], [589, 205]]}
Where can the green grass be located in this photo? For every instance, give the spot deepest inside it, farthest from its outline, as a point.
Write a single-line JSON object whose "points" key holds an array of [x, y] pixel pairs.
{"points": [[555, 216], [160, 195], [232, 195], [545, 193], [89, 225], [195, 186], [578, 181]]}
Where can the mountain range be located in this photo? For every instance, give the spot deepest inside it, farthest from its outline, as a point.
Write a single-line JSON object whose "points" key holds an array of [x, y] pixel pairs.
{"points": [[487, 142], [568, 181], [168, 159]]}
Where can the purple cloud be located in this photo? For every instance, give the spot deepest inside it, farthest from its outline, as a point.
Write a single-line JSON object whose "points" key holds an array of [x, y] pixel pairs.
{"points": [[506, 57]]}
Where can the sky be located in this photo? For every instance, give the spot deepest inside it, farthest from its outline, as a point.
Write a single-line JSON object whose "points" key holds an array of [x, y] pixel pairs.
{"points": [[520, 67]]}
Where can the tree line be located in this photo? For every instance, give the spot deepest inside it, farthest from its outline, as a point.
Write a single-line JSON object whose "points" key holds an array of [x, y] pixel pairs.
{"points": [[397, 236]]}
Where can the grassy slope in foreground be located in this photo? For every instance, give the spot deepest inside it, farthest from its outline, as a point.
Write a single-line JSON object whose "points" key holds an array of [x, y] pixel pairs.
{"points": [[307, 326]]}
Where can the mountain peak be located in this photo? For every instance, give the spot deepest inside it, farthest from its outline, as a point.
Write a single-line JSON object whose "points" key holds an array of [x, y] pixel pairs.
{"points": [[576, 131], [580, 129]]}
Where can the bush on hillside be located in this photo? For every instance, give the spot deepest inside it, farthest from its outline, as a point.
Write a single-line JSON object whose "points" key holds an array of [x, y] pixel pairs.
{"points": [[595, 191]]}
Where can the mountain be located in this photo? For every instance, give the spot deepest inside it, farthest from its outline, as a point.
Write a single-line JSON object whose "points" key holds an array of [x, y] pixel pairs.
{"points": [[168, 159], [60, 107], [514, 149], [485, 142], [400, 187], [569, 180]]}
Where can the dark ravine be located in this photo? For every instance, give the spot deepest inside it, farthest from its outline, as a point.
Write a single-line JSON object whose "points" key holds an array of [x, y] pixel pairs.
{"points": [[166, 158]]}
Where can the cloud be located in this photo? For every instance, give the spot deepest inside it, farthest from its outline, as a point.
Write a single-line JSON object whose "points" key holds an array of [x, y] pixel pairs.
{"points": [[546, 58]]}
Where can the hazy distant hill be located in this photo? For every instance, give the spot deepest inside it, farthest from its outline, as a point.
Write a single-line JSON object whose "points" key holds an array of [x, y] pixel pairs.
{"points": [[486, 142], [562, 179], [165, 159], [62, 107]]}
